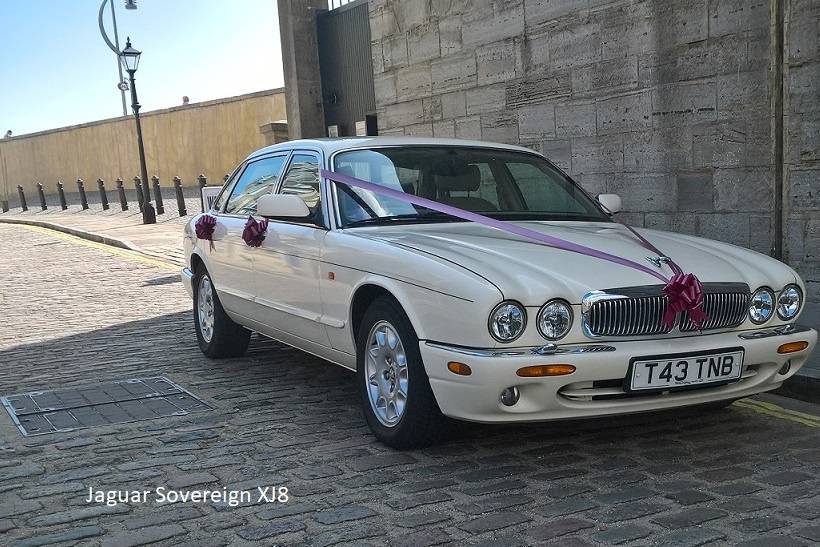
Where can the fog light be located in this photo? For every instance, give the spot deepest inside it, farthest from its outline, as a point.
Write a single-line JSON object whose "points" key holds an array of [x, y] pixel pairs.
{"points": [[459, 368], [792, 347], [537, 371], [510, 396], [785, 368]]}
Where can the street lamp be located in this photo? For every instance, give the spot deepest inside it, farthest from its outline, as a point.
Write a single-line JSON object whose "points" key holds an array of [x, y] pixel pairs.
{"points": [[130, 58]]}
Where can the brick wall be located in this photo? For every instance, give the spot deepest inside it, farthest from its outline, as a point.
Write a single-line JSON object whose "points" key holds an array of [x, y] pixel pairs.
{"points": [[666, 102]]}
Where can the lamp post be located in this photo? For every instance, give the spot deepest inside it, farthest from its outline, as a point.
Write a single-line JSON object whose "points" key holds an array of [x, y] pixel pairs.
{"points": [[130, 59]]}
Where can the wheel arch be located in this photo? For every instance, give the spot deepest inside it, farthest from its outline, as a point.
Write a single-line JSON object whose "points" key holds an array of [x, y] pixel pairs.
{"points": [[364, 295]]}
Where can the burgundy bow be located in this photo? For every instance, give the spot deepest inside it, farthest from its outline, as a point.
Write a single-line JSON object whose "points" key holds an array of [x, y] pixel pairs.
{"points": [[684, 293], [205, 227], [254, 232]]}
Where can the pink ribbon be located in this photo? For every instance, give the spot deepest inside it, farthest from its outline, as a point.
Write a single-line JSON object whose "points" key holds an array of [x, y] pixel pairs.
{"points": [[683, 291], [204, 227], [255, 231]]}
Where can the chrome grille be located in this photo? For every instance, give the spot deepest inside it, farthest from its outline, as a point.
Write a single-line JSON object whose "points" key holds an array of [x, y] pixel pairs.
{"points": [[638, 311]]}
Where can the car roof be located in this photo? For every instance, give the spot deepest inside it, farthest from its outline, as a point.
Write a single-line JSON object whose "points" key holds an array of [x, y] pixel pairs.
{"points": [[331, 145]]}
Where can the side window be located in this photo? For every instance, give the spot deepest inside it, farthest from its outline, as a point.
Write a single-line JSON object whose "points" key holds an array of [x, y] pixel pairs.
{"points": [[259, 178], [226, 191], [302, 179]]}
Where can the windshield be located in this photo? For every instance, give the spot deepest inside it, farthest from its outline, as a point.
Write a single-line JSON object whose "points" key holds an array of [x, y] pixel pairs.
{"points": [[500, 184]]}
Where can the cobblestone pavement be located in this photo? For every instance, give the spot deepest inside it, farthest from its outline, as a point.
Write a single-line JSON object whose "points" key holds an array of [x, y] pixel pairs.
{"points": [[75, 313]]}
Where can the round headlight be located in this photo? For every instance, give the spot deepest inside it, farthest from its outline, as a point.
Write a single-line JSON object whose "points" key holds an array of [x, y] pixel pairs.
{"points": [[507, 321], [761, 306], [554, 319], [789, 302]]}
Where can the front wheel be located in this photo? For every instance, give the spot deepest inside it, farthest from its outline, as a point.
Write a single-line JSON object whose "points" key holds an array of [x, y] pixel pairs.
{"points": [[397, 401], [218, 335]]}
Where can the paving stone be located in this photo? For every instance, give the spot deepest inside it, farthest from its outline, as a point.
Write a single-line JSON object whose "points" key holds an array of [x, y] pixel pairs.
{"points": [[145, 536], [691, 537], [746, 504], [381, 461], [689, 517], [421, 519], [736, 489], [773, 541], [423, 538], [184, 481], [629, 511], [623, 533], [495, 521], [557, 528], [70, 535], [786, 477], [166, 515], [77, 514], [13, 507], [689, 497], [809, 532], [494, 487], [334, 537], [343, 514], [725, 474], [496, 503], [286, 510], [256, 533], [417, 500], [761, 524], [566, 507], [626, 494]]}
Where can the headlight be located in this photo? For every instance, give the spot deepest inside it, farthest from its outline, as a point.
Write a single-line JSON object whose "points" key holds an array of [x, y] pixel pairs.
{"points": [[554, 319], [507, 321], [761, 306], [789, 302]]}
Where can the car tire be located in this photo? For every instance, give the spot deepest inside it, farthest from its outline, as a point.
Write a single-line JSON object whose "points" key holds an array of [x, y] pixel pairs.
{"points": [[218, 335], [420, 422]]}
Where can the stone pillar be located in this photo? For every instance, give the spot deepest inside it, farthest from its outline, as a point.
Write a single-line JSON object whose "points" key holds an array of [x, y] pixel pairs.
{"points": [[300, 61], [274, 132]]}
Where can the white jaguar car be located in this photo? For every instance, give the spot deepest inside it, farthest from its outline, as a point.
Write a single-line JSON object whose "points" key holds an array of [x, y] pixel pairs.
{"points": [[444, 318]]}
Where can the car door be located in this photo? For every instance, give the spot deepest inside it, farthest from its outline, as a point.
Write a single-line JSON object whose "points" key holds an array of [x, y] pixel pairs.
{"points": [[231, 260], [287, 264]]}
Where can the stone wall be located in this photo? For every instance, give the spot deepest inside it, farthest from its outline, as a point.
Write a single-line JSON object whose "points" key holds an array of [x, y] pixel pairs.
{"points": [[666, 102], [210, 137]]}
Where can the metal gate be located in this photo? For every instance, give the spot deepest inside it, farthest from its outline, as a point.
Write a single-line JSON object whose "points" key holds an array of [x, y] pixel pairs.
{"points": [[347, 70]]}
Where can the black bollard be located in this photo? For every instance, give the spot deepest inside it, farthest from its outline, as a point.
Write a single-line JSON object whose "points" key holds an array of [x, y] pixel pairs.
{"points": [[121, 192], [83, 197], [23, 204], [61, 194], [103, 195], [43, 204], [180, 198], [203, 182], [158, 195], [4, 205], [225, 178], [138, 185]]}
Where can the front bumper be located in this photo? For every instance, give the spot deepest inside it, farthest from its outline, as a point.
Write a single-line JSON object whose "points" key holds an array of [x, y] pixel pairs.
{"points": [[594, 389], [187, 277]]}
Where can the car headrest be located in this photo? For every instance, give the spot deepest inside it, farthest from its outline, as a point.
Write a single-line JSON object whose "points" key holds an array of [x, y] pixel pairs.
{"points": [[467, 180]]}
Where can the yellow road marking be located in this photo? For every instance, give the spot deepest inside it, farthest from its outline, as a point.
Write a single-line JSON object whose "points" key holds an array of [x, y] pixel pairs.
{"points": [[775, 411], [125, 253]]}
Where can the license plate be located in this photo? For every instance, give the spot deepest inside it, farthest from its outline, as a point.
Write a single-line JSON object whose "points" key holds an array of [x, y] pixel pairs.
{"points": [[682, 370]]}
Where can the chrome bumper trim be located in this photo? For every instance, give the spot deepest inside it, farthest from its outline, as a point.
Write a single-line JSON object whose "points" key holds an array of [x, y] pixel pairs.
{"points": [[546, 349], [782, 330]]}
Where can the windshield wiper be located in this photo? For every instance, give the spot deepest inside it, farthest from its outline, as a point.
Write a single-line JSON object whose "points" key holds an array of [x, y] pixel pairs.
{"points": [[410, 217]]}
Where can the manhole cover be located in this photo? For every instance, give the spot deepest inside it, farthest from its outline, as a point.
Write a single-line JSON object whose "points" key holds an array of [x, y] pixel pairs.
{"points": [[41, 412]]}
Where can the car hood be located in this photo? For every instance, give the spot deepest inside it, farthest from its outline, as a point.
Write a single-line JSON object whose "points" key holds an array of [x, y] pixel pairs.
{"points": [[531, 272]]}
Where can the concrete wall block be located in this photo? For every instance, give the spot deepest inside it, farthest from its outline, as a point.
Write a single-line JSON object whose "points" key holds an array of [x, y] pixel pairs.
{"points": [[804, 81], [627, 28], [377, 55], [593, 183], [446, 8], [411, 13], [445, 129], [644, 193], [679, 223], [684, 104], [537, 48], [744, 189], [506, 21], [681, 22], [804, 39], [695, 191], [413, 81], [598, 154], [623, 114], [539, 11], [658, 150], [743, 93], [804, 138], [485, 99], [499, 127], [803, 190], [725, 55], [431, 108], [613, 75], [538, 87], [454, 72], [574, 43], [719, 145], [558, 152], [761, 233], [733, 16], [382, 23], [729, 227], [392, 132], [384, 87], [454, 105], [402, 114], [394, 49], [536, 121], [498, 62], [575, 119], [468, 128], [423, 42], [449, 31], [419, 130]]}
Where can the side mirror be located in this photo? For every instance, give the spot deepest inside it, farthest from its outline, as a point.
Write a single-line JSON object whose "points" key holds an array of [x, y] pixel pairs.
{"points": [[282, 206], [611, 202]]}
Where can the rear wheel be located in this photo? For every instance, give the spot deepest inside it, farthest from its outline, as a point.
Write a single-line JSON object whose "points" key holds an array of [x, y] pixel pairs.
{"points": [[397, 401], [218, 335]]}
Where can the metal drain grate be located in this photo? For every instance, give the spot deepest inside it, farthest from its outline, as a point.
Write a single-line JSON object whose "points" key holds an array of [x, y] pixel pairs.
{"points": [[41, 412]]}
